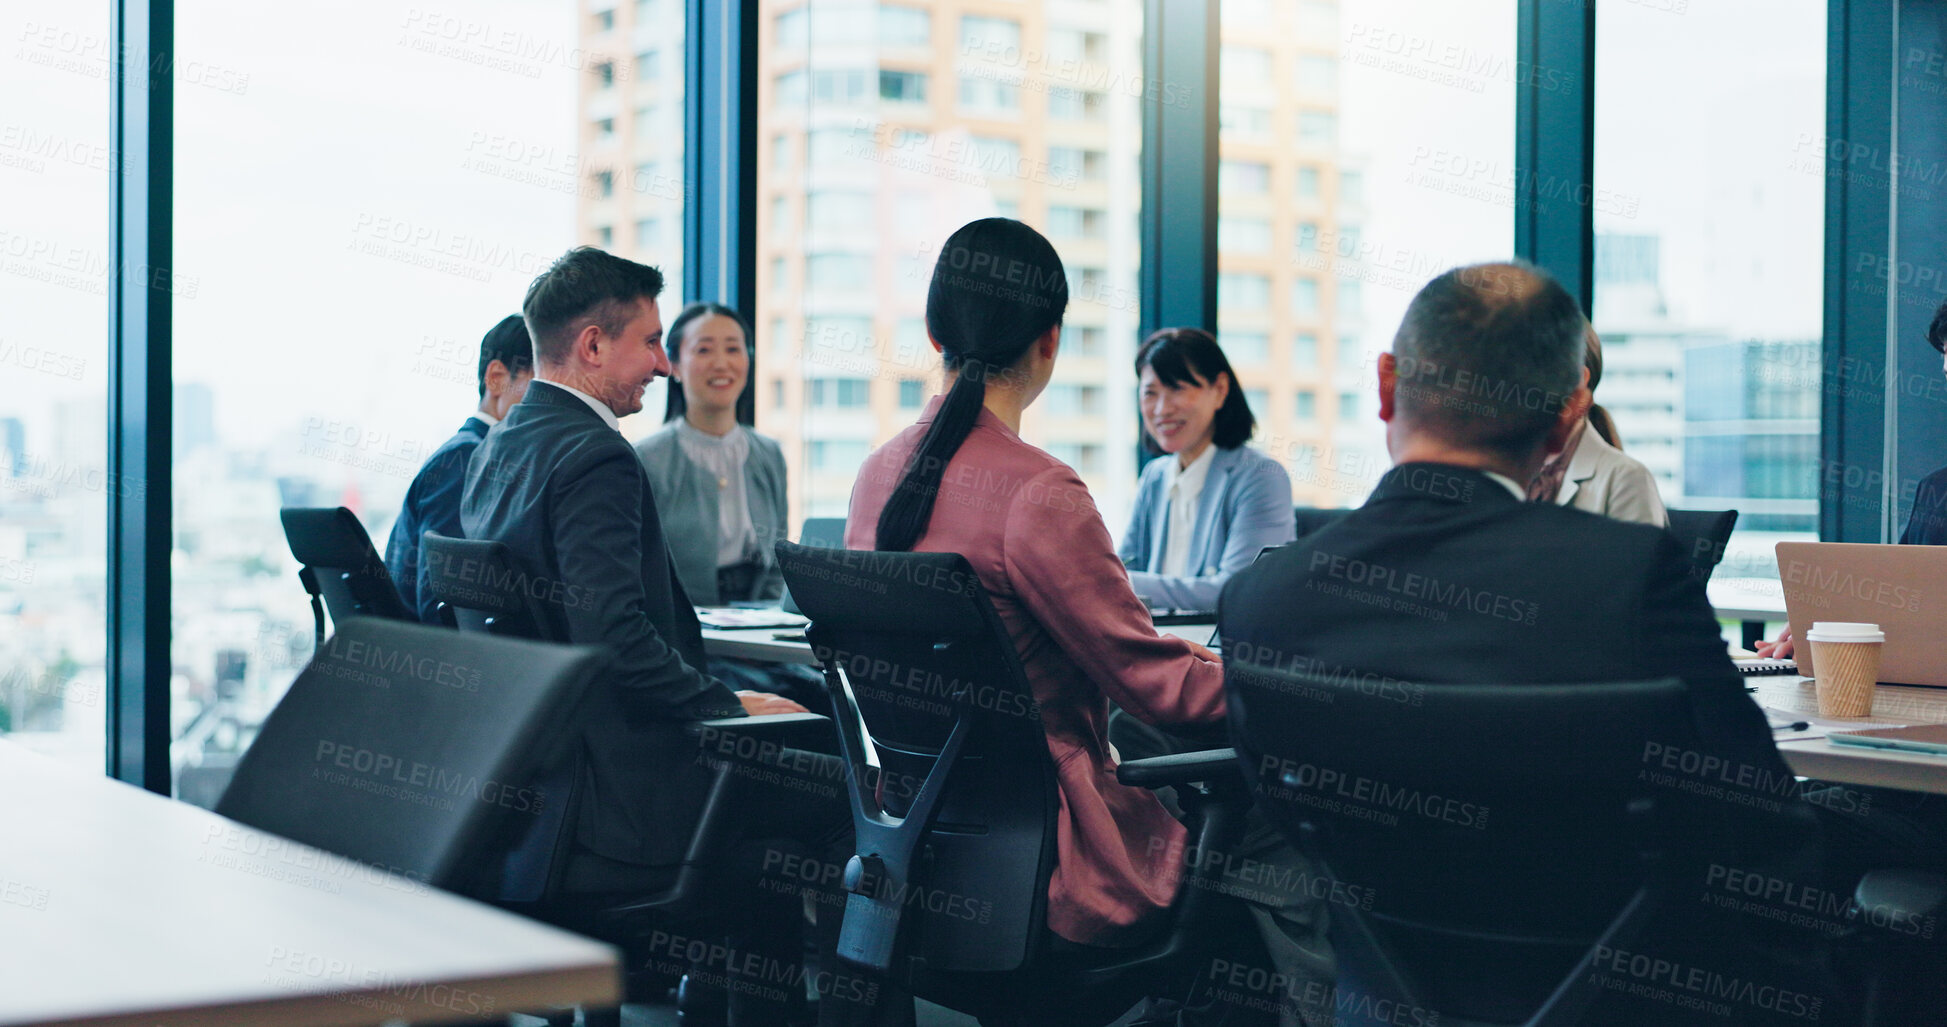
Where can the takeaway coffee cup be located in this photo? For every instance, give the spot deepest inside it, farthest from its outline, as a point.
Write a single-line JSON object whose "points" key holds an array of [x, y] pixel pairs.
{"points": [[1845, 659]]}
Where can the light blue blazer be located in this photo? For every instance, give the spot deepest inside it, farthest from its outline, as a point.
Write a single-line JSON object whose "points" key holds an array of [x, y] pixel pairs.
{"points": [[1244, 507]]}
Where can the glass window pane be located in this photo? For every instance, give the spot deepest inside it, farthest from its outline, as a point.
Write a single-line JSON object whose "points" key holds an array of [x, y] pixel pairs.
{"points": [[1709, 289], [904, 26], [1027, 109], [440, 175], [55, 158], [1374, 140]]}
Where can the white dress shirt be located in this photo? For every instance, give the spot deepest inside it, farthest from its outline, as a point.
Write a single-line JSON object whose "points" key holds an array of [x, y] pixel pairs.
{"points": [[723, 457], [1186, 486], [1507, 483], [608, 416]]}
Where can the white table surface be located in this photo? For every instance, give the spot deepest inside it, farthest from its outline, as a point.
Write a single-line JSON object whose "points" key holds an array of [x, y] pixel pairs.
{"points": [[120, 907], [1809, 754]]}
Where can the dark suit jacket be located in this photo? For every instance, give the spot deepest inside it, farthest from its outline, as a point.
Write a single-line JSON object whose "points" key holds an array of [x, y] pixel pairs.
{"points": [[1456, 580], [432, 504], [566, 493], [1927, 524]]}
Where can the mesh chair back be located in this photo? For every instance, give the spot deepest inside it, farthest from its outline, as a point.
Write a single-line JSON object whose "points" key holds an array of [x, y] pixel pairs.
{"points": [[408, 747], [482, 582], [1704, 534], [947, 766], [1500, 829], [1312, 518], [350, 573]]}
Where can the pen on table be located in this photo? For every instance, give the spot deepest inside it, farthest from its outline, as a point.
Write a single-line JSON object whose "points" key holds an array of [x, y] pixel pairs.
{"points": [[1796, 725]]}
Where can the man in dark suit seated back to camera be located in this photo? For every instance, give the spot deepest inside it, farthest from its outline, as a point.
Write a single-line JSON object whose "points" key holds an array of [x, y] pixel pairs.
{"points": [[557, 483], [1472, 583], [432, 502]]}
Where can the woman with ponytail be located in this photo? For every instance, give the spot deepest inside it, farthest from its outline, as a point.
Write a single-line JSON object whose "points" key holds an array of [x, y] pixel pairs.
{"points": [[961, 480]]}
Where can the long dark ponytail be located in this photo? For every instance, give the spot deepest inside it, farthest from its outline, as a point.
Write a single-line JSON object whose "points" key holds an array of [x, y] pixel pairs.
{"points": [[997, 287]]}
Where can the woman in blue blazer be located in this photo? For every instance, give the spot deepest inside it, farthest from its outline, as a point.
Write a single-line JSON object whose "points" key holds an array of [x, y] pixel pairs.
{"points": [[1208, 505]]}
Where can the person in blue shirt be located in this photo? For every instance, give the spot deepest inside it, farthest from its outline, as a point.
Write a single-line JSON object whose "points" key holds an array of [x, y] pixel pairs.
{"points": [[433, 499], [1208, 504]]}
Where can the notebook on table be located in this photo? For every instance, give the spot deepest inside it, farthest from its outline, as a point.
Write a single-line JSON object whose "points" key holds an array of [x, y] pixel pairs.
{"points": [[1927, 738]]}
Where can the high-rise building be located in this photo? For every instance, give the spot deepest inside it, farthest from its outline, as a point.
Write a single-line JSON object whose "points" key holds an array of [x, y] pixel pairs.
{"points": [[13, 443], [1723, 423], [195, 419], [1289, 245], [885, 126], [1643, 356], [1751, 431]]}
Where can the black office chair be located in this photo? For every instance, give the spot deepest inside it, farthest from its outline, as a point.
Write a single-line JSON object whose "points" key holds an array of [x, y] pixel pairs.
{"points": [[1510, 834], [479, 582], [382, 698], [341, 567], [1543, 841], [1312, 518], [953, 794], [1704, 534], [489, 592]]}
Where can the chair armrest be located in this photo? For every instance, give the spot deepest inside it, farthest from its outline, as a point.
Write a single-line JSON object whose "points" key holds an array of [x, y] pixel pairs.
{"points": [[1900, 903], [812, 731], [1179, 768]]}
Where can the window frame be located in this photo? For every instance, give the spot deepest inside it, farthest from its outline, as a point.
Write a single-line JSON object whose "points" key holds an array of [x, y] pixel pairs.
{"points": [[1554, 117]]}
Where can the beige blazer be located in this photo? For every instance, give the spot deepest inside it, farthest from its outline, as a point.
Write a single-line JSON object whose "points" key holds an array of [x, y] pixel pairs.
{"points": [[1603, 479]]}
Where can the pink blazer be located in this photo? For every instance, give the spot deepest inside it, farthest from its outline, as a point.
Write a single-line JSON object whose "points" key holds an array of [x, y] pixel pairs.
{"points": [[1027, 524]]}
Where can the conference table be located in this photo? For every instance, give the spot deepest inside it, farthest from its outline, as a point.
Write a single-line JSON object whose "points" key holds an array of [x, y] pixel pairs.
{"points": [[1789, 697], [119, 908]]}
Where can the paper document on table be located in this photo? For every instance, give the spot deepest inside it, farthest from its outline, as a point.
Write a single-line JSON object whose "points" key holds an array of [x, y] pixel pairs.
{"points": [[731, 617], [1817, 726]]}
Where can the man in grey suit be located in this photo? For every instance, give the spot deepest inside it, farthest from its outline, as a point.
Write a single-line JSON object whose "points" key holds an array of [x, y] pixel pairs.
{"points": [[558, 484]]}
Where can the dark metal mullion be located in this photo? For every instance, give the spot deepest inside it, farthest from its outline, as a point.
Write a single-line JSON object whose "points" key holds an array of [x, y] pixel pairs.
{"points": [[1858, 223], [1179, 165], [137, 484], [720, 160], [1554, 142]]}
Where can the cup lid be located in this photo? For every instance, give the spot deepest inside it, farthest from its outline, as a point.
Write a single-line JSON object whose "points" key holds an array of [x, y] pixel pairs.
{"points": [[1844, 631]]}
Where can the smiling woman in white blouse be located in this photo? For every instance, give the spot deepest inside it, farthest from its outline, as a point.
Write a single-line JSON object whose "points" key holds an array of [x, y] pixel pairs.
{"points": [[1209, 504], [719, 485]]}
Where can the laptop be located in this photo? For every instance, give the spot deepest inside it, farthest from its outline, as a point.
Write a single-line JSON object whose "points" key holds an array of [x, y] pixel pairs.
{"points": [[823, 533], [1903, 589]]}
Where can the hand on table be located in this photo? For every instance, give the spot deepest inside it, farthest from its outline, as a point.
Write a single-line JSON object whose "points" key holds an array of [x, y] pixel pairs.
{"points": [[1203, 653], [1780, 649], [758, 704]]}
